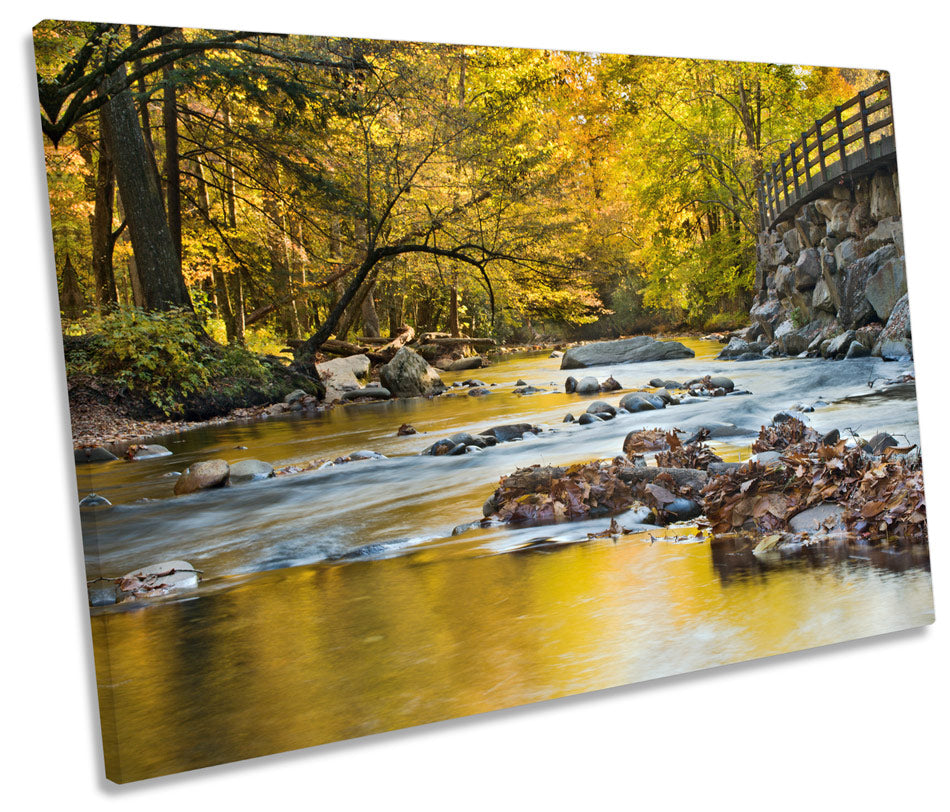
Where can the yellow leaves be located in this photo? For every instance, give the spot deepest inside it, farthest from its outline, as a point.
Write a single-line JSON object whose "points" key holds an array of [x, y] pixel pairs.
{"points": [[767, 543]]}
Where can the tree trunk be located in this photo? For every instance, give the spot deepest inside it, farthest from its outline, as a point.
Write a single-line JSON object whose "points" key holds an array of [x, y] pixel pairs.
{"points": [[71, 300], [172, 167], [142, 89], [221, 296], [159, 270], [454, 310], [235, 281], [298, 267], [368, 310], [280, 267], [102, 242], [304, 353]]}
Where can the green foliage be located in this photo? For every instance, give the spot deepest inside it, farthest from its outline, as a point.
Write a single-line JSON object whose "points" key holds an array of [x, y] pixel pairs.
{"points": [[723, 322], [593, 193], [797, 318], [162, 358]]}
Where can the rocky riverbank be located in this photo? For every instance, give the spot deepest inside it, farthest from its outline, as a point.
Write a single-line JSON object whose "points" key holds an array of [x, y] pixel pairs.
{"points": [[830, 280]]}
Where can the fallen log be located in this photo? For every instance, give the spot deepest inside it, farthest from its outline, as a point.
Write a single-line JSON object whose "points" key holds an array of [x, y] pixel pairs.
{"points": [[380, 340], [386, 354], [689, 477], [333, 346], [476, 343]]}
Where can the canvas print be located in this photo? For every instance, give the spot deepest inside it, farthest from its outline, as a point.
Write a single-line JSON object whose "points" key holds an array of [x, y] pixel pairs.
{"points": [[410, 381]]}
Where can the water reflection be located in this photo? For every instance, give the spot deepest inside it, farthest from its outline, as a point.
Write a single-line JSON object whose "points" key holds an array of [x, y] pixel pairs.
{"points": [[313, 654]]}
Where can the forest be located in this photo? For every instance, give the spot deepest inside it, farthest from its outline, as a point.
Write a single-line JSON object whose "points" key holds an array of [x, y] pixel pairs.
{"points": [[241, 190]]}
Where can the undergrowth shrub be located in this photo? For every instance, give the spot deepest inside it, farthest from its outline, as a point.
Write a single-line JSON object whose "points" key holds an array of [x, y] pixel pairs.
{"points": [[162, 358]]}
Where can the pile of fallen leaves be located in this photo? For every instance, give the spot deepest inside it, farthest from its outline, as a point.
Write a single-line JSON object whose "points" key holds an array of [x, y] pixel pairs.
{"points": [[881, 497], [643, 441], [695, 454], [789, 432], [543, 495]]}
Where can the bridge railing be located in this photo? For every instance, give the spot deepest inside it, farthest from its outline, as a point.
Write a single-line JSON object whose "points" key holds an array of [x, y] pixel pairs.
{"points": [[851, 135]]}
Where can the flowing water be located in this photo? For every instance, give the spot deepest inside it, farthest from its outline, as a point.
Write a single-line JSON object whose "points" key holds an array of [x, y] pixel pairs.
{"points": [[337, 603]]}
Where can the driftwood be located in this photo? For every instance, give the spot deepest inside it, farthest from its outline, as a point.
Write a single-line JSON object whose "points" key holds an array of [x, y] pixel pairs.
{"points": [[386, 354]]}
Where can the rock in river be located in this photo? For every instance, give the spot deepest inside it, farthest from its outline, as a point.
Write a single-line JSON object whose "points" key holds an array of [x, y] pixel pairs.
{"points": [[147, 452], [602, 409], [203, 475], [92, 500], [249, 471], [624, 351], [511, 431], [157, 580], [589, 417], [93, 454], [587, 386], [342, 374], [374, 392], [641, 402], [409, 375]]}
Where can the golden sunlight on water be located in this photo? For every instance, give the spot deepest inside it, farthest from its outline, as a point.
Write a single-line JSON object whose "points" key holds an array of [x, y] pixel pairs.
{"points": [[308, 655]]}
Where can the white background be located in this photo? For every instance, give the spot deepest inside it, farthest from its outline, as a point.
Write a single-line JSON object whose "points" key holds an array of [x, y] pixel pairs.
{"points": [[858, 724]]}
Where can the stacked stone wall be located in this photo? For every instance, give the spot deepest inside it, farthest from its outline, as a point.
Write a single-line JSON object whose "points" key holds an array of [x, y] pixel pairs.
{"points": [[830, 279]]}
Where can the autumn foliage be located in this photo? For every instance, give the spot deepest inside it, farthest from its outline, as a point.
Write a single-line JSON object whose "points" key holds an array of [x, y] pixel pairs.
{"points": [[882, 497]]}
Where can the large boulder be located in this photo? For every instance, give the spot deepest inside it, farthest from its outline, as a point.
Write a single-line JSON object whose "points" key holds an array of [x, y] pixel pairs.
{"points": [[732, 350], [768, 316], [846, 253], [854, 309], [784, 280], [838, 225], [807, 269], [821, 299], [888, 283], [885, 232], [341, 375], [409, 375], [884, 201], [799, 340], [624, 351], [839, 344], [894, 341], [203, 475]]}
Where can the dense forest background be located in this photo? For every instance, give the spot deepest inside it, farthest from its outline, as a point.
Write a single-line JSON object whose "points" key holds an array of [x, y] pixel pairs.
{"points": [[286, 189]]}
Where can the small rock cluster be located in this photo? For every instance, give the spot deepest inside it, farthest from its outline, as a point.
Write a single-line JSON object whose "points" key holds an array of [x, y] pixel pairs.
{"points": [[465, 443]]}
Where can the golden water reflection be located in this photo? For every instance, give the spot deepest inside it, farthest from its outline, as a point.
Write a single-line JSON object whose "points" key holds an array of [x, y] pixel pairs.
{"points": [[302, 656]]}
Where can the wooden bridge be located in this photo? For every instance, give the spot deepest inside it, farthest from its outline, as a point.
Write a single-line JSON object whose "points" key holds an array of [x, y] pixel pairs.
{"points": [[852, 141]]}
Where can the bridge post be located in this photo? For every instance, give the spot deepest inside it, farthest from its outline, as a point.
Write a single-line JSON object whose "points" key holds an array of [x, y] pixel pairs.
{"points": [[805, 162], [865, 132], [840, 132]]}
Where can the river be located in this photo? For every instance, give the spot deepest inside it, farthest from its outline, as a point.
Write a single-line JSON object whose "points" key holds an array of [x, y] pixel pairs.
{"points": [[338, 603]]}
